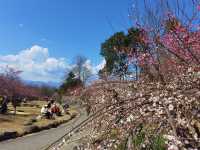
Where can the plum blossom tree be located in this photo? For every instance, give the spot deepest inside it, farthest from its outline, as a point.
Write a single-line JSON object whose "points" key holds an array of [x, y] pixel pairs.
{"points": [[13, 87], [170, 40]]}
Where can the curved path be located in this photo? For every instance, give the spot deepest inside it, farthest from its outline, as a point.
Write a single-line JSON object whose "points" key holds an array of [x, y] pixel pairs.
{"points": [[38, 141]]}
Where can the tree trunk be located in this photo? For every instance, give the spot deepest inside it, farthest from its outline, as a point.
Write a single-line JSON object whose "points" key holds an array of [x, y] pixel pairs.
{"points": [[136, 72], [15, 110]]}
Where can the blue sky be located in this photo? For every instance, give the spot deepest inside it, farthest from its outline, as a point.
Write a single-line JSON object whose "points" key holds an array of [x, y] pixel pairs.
{"points": [[65, 27]]}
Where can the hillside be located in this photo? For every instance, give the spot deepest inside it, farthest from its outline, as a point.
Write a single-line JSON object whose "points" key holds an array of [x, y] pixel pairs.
{"points": [[144, 115]]}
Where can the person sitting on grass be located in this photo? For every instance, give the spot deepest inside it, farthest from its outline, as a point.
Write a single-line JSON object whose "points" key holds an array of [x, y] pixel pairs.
{"points": [[56, 110], [45, 112], [50, 103]]}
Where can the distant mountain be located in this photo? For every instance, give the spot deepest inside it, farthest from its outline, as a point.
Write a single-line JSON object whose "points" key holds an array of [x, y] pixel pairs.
{"points": [[41, 83]]}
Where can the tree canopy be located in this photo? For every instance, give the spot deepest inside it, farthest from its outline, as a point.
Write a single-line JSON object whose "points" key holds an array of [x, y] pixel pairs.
{"points": [[70, 83], [117, 50]]}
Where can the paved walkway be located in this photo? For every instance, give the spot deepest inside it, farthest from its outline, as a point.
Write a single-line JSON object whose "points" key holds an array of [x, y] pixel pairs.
{"points": [[40, 140]]}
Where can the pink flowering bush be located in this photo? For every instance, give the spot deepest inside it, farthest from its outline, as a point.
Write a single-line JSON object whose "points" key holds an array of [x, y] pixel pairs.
{"points": [[184, 44], [169, 52]]}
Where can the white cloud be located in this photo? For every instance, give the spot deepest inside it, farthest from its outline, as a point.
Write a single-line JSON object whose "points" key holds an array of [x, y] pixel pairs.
{"points": [[36, 64], [89, 66], [94, 69], [101, 65]]}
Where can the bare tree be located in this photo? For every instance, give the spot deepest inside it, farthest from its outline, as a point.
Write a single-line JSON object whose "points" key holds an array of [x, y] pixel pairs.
{"points": [[81, 69]]}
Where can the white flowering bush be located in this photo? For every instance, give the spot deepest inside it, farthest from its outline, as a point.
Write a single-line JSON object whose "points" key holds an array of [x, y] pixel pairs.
{"points": [[169, 114]]}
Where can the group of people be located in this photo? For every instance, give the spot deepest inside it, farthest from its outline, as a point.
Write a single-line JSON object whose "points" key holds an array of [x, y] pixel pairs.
{"points": [[51, 109]]}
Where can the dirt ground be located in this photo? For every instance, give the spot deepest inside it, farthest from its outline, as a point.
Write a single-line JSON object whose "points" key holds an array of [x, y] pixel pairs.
{"points": [[25, 113]]}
